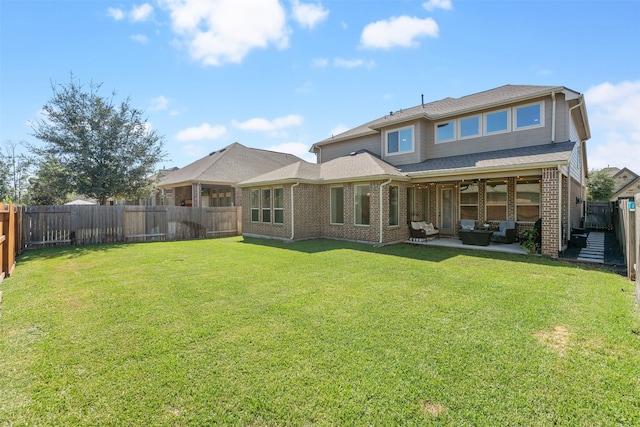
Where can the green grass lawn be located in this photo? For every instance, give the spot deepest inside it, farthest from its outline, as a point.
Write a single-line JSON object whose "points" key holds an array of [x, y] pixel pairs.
{"points": [[263, 333]]}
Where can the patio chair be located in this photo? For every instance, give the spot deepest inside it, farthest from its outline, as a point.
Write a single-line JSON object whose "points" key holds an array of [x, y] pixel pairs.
{"points": [[422, 230], [467, 224], [506, 232]]}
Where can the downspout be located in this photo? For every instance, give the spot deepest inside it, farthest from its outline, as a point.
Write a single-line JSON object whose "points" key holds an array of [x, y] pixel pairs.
{"points": [[292, 213], [559, 208], [553, 117], [380, 212]]}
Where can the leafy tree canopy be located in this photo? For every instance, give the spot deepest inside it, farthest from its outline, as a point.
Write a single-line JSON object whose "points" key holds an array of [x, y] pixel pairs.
{"points": [[51, 184], [600, 185], [106, 150]]}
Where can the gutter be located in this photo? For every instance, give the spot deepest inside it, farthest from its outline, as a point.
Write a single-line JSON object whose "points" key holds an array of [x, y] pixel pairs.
{"points": [[553, 117], [380, 212], [293, 229]]}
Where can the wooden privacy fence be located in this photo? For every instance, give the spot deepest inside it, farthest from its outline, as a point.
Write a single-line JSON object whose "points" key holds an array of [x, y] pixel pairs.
{"points": [[628, 234], [83, 225], [10, 243]]}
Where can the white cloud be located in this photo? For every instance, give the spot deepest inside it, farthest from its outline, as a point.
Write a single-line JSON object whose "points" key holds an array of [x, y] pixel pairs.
{"points": [[613, 111], [308, 14], [296, 148], [398, 31], [115, 13], [437, 4], [141, 13], [140, 38], [204, 131], [339, 129], [352, 63], [264, 125], [320, 62], [137, 14], [159, 103], [225, 31]]}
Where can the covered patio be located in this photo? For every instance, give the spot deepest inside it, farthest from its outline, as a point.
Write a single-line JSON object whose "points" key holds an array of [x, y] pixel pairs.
{"points": [[454, 242]]}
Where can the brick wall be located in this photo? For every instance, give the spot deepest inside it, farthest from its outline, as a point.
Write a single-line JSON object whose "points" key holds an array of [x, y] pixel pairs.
{"points": [[550, 217]]}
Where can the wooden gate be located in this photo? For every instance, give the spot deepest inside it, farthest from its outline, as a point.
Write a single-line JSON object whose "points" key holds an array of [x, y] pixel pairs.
{"points": [[599, 215]]}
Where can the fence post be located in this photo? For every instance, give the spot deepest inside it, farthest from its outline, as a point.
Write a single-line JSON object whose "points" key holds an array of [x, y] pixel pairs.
{"points": [[9, 246]]}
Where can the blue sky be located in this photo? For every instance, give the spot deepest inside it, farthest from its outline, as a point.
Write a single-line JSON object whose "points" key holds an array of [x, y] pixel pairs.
{"points": [[283, 75]]}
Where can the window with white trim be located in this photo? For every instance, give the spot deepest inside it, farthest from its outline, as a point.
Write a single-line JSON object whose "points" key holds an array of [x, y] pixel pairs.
{"points": [[529, 116], [445, 131], [278, 205], [399, 140], [393, 204], [496, 122], [337, 205], [469, 127], [361, 201], [255, 205], [266, 205]]}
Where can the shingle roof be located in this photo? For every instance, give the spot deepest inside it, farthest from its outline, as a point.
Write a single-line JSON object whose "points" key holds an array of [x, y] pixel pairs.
{"points": [[510, 158], [229, 165], [361, 165], [450, 106]]}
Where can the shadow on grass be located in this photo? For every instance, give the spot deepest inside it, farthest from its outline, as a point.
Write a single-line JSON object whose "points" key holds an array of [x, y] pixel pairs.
{"points": [[66, 251]]}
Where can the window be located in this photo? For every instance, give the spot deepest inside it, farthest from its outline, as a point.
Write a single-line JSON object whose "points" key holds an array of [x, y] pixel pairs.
{"points": [[266, 205], [529, 116], [496, 194], [255, 205], [362, 195], [337, 205], [411, 199], [496, 122], [400, 141], [469, 200], [469, 127], [445, 131], [393, 205], [278, 205], [528, 199]]}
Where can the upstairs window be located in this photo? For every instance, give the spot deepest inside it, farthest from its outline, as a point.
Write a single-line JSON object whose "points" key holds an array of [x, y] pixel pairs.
{"points": [[529, 116], [469, 127], [400, 141], [445, 131], [496, 122]]}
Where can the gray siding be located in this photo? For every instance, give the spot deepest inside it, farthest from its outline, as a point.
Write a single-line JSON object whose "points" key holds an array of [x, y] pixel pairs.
{"points": [[343, 148], [409, 158], [513, 139], [575, 163]]}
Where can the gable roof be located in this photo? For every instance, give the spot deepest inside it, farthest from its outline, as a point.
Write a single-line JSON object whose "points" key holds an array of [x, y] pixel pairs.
{"points": [[354, 167], [453, 106], [228, 166], [509, 159]]}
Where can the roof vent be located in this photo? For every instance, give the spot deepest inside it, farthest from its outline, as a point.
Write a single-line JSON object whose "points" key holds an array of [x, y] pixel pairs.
{"points": [[353, 153], [212, 153]]}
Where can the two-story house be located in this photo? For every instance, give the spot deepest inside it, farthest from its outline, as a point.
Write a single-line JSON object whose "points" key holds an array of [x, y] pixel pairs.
{"points": [[514, 152]]}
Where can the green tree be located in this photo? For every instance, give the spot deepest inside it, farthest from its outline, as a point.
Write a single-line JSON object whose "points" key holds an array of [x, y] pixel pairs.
{"points": [[15, 170], [600, 185], [50, 185], [106, 150]]}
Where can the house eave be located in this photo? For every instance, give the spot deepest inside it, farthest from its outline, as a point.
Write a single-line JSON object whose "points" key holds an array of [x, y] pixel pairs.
{"points": [[444, 174]]}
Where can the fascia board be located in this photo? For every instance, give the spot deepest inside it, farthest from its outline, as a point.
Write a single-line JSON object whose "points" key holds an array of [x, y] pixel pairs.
{"points": [[449, 173]]}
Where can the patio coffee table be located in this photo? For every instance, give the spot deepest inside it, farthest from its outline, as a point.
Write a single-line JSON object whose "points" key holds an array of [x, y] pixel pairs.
{"points": [[475, 237]]}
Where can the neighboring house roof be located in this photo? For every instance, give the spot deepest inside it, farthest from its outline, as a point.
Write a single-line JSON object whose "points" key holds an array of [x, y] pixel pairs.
{"points": [[514, 158], [82, 201], [453, 106], [357, 166], [631, 189], [228, 166]]}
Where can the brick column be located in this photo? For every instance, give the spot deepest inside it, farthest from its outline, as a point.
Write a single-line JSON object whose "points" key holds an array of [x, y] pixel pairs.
{"points": [[511, 198], [550, 214], [196, 190]]}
